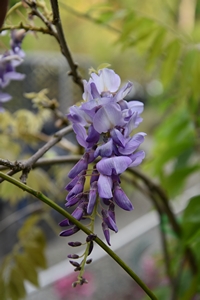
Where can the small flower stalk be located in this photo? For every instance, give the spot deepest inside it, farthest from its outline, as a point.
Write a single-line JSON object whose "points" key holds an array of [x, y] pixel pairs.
{"points": [[104, 125]]}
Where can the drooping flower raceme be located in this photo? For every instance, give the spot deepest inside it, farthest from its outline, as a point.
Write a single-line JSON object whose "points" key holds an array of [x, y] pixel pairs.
{"points": [[8, 62], [103, 124]]}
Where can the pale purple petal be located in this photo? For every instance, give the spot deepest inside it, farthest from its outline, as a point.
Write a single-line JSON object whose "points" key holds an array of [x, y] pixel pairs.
{"points": [[118, 137], [136, 106], [4, 97], [81, 134], [107, 117], [137, 158], [105, 186], [87, 96], [106, 80], [121, 94], [104, 150], [113, 165], [14, 76], [132, 144], [77, 115]]}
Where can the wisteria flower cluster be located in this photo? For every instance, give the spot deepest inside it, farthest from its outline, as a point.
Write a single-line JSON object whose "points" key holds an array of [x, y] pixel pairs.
{"points": [[8, 63], [103, 125]]}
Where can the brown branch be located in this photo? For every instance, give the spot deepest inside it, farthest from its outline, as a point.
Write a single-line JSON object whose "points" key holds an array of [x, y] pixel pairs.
{"points": [[58, 33], [26, 165], [27, 28], [63, 45]]}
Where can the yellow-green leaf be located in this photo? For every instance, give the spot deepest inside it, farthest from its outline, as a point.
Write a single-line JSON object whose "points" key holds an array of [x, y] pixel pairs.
{"points": [[17, 281], [2, 289], [170, 62], [36, 254], [27, 268]]}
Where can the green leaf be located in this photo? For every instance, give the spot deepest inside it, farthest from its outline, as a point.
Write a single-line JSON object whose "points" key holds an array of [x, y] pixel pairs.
{"points": [[16, 281], [174, 182], [39, 237], [3, 294], [28, 227], [191, 219], [157, 45], [12, 291], [170, 62], [36, 254], [105, 17], [27, 268], [103, 65]]}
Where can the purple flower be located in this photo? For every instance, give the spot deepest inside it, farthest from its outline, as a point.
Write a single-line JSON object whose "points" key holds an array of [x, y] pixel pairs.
{"points": [[8, 62], [104, 124], [70, 231], [120, 198], [17, 37]]}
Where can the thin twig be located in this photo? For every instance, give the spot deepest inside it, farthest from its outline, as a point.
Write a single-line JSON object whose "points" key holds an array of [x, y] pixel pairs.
{"points": [[63, 44], [21, 25], [26, 166]]}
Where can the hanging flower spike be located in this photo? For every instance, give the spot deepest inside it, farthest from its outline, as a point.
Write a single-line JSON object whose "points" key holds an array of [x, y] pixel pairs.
{"points": [[103, 124], [8, 62]]}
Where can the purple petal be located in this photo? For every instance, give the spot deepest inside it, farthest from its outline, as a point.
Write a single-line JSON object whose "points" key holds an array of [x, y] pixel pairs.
{"points": [[72, 183], [105, 186], [81, 134], [78, 188], [87, 96], [111, 211], [106, 80], [121, 94], [72, 201], [121, 199], [132, 144], [95, 175], [104, 150], [79, 211], [77, 115], [70, 231], [137, 158], [81, 165], [106, 233], [64, 223], [4, 97], [92, 198], [14, 76], [136, 106], [93, 135], [118, 137], [113, 165], [107, 117], [109, 221], [94, 91]]}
